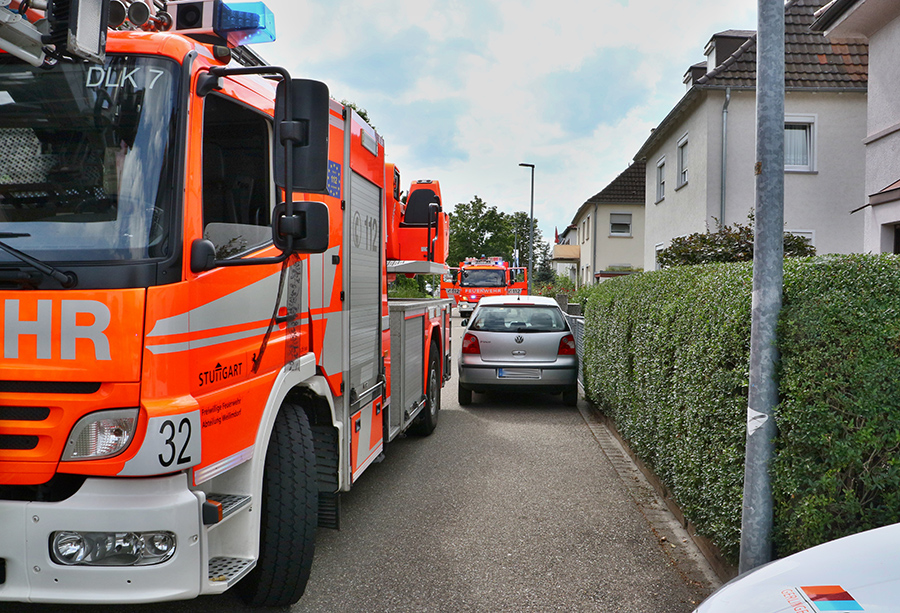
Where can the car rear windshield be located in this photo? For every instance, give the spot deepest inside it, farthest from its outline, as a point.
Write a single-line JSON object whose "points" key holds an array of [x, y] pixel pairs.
{"points": [[506, 318]]}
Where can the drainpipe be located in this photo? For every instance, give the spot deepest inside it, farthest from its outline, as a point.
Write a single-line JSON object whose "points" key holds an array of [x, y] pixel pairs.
{"points": [[724, 154], [594, 243]]}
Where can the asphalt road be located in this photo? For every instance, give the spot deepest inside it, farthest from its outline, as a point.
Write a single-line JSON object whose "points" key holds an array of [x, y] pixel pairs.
{"points": [[515, 503]]}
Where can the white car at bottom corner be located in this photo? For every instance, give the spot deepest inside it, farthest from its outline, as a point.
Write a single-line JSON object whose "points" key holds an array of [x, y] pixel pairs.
{"points": [[855, 573]]}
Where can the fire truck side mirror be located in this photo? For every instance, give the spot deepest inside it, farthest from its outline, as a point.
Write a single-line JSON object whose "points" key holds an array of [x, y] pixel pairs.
{"points": [[308, 226], [305, 133]]}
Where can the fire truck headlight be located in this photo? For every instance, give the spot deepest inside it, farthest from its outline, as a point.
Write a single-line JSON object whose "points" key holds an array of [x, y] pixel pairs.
{"points": [[71, 548], [101, 435]]}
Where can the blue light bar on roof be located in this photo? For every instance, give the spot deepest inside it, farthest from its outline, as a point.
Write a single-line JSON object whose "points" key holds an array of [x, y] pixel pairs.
{"points": [[244, 23]]}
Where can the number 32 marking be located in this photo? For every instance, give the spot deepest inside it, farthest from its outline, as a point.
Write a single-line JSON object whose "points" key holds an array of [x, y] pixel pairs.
{"points": [[176, 442]]}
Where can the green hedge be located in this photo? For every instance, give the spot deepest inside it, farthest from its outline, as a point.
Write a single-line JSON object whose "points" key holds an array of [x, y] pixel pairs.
{"points": [[667, 357]]}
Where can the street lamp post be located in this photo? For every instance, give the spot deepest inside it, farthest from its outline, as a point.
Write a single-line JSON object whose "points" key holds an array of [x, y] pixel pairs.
{"points": [[531, 229]]}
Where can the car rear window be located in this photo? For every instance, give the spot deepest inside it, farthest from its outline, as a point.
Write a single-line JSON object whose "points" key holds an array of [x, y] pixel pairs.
{"points": [[505, 318]]}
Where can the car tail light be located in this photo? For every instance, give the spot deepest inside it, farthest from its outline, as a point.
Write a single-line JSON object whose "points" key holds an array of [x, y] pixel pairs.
{"points": [[470, 344], [566, 345]]}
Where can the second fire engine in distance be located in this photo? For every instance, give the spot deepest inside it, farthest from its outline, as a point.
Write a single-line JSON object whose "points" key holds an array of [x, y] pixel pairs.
{"points": [[484, 276]]}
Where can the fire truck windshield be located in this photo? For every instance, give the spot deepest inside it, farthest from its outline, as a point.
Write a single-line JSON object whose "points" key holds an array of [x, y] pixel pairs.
{"points": [[87, 158], [480, 277]]}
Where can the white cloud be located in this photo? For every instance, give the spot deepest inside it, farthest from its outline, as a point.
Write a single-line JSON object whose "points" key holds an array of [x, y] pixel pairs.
{"points": [[465, 90]]}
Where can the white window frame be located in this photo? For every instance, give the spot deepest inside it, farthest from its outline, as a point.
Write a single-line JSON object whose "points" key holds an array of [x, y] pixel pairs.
{"points": [[661, 179], [656, 249], [809, 122], [681, 176], [630, 223]]}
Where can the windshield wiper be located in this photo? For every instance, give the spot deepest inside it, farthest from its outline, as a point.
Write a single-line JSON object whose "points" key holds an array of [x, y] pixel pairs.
{"points": [[66, 279]]}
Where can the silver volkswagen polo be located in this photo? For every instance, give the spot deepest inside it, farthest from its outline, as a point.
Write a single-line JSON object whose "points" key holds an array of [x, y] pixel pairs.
{"points": [[518, 343]]}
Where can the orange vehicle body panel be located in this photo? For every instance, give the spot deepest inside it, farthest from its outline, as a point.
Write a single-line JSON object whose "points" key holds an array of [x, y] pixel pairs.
{"points": [[188, 346]]}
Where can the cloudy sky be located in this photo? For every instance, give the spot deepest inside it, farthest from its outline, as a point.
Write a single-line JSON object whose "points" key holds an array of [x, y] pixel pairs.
{"points": [[465, 90]]}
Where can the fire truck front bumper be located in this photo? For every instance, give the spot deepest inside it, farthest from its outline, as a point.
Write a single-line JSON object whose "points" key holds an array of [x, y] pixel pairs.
{"points": [[114, 541]]}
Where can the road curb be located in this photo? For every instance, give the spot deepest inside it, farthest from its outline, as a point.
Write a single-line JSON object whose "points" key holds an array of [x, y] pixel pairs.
{"points": [[695, 556]]}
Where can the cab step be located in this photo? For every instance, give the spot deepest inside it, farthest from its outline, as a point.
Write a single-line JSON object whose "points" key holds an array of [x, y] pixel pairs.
{"points": [[225, 572], [219, 506]]}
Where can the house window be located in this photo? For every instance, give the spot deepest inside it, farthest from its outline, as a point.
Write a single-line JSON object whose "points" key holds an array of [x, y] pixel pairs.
{"points": [[620, 224], [656, 250], [661, 179], [799, 143], [682, 177]]}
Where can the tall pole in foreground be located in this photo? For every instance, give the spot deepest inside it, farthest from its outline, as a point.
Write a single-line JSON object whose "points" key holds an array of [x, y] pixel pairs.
{"points": [[768, 276], [531, 229]]}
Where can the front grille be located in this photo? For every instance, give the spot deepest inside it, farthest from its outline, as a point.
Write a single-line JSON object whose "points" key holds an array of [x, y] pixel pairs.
{"points": [[24, 413], [18, 442], [49, 387]]}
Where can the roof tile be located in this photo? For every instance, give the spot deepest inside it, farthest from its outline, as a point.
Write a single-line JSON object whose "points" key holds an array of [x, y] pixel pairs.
{"points": [[811, 61]]}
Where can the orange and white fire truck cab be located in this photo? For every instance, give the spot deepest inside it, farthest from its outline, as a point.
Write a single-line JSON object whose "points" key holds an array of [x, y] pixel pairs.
{"points": [[193, 366], [477, 277]]}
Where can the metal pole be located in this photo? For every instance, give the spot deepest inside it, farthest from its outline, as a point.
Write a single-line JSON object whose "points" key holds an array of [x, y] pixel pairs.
{"points": [[768, 276], [531, 229]]}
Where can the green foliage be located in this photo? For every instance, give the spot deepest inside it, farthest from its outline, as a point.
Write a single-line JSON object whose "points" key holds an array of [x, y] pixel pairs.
{"points": [[558, 285], [360, 111], [477, 229], [667, 356], [727, 244], [837, 469], [416, 287]]}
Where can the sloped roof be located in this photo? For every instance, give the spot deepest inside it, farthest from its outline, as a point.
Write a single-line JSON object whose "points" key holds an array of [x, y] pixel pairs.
{"points": [[810, 60], [627, 188], [812, 63]]}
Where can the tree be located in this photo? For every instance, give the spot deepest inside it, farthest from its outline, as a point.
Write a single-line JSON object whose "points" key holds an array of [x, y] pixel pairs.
{"points": [[727, 244], [477, 229], [543, 265]]}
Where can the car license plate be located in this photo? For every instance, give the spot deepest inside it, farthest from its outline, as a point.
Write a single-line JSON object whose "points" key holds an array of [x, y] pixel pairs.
{"points": [[518, 373]]}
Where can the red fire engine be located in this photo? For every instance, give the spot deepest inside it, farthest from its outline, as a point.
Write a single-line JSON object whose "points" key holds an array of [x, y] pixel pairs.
{"points": [[194, 366], [477, 277]]}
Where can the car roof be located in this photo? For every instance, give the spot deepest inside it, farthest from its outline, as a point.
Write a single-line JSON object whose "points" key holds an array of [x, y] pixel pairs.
{"points": [[523, 300]]}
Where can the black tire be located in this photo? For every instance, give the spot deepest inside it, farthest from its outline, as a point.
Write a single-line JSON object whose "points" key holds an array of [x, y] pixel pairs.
{"points": [[427, 419], [464, 395], [570, 396], [289, 515]]}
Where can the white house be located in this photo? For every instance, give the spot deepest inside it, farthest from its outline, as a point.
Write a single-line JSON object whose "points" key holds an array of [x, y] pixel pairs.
{"points": [[567, 254], [879, 22], [700, 159], [610, 228]]}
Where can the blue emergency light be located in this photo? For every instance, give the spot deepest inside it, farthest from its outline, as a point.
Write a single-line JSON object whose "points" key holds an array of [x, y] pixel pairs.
{"points": [[240, 23], [245, 23]]}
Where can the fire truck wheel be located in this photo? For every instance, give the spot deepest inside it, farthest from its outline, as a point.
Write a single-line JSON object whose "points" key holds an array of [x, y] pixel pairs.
{"points": [[427, 420], [465, 395], [289, 515]]}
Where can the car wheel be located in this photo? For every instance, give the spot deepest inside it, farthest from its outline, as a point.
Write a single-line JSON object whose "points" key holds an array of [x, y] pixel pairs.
{"points": [[289, 515], [570, 396], [427, 420], [464, 395]]}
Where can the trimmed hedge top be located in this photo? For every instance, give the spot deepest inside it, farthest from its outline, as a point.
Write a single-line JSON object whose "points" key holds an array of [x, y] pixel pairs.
{"points": [[667, 356]]}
